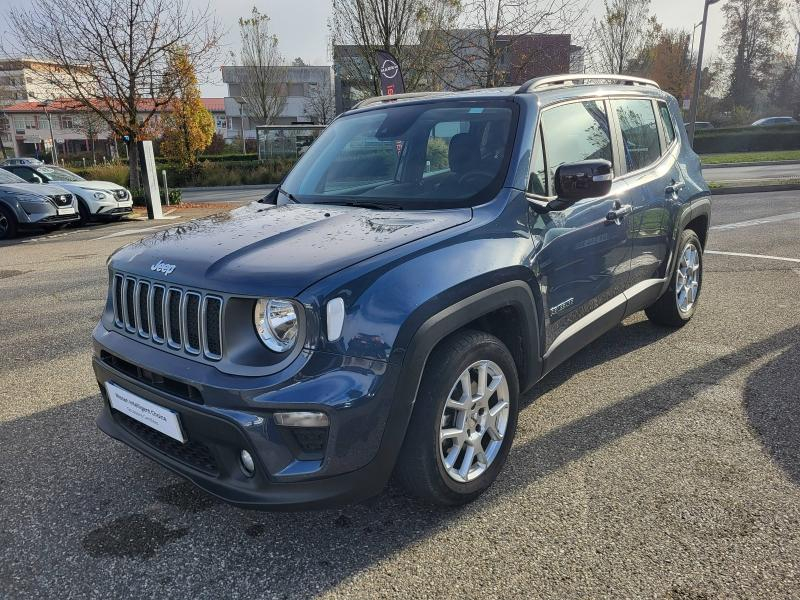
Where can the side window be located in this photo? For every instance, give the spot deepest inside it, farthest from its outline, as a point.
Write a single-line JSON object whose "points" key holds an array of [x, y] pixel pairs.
{"points": [[538, 180], [574, 132], [669, 129], [639, 132]]}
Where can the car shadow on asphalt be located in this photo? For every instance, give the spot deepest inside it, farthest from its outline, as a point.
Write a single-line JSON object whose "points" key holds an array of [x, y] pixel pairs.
{"points": [[134, 509], [772, 401]]}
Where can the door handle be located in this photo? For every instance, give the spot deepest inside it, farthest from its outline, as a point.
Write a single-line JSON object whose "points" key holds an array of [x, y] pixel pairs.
{"points": [[619, 213], [675, 187]]}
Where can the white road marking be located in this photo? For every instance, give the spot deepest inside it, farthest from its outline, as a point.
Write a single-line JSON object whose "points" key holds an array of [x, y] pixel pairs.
{"points": [[762, 221], [745, 255]]}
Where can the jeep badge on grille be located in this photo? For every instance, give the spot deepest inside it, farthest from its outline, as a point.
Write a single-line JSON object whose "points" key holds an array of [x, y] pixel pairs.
{"points": [[162, 267]]}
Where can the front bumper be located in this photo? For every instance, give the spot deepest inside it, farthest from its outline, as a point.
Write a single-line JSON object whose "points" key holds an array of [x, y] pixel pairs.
{"points": [[223, 414]]}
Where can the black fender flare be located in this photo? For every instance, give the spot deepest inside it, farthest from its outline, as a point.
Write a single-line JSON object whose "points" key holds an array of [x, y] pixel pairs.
{"points": [[434, 329]]}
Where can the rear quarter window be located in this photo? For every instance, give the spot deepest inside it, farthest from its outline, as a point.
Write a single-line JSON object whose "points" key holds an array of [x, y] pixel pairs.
{"points": [[640, 142], [666, 118]]}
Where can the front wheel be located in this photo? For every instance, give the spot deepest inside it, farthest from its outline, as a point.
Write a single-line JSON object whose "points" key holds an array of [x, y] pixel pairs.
{"points": [[677, 305], [464, 420], [8, 224]]}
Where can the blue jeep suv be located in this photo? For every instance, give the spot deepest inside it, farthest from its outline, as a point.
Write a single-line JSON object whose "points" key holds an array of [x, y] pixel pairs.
{"points": [[429, 259]]}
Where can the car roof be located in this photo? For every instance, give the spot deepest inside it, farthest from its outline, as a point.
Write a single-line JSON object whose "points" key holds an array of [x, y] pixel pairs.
{"points": [[550, 94]]}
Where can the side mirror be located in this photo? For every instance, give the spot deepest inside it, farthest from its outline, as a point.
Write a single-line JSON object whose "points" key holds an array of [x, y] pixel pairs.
{"points": [[585, 179]]}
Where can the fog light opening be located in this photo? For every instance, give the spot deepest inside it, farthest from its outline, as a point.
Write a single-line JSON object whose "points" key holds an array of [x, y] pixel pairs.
{"points": [[248, 464], [302, 419]]}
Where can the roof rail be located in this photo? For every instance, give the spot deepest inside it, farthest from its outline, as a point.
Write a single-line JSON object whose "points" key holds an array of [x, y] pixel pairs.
{"points": [[408, 95], [540, 83]]}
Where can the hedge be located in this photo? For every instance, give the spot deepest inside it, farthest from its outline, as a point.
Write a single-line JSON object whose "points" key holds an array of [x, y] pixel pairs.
{"points": [[747, 139]]}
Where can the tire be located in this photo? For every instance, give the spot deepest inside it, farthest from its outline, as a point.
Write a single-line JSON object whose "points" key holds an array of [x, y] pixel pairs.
{"points": [[86, 216], [421, 467], [8, 224], [677, 305]]}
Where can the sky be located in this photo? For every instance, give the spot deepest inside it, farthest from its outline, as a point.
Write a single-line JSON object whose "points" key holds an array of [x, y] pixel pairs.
{"points": [[302, 26]]}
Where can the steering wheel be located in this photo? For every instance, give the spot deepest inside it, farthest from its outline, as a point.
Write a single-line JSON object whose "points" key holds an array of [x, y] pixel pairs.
{"points": [[472, 175]]}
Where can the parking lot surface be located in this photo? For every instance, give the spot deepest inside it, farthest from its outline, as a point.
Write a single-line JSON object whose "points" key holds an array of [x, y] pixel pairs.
{"points": [[655, 463]]}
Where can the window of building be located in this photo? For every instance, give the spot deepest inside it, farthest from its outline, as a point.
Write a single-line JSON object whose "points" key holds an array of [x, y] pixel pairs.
{"points": [[640, 141], [31, 122], [19, 124], [669, 128], [66, 122], [574, 132]]}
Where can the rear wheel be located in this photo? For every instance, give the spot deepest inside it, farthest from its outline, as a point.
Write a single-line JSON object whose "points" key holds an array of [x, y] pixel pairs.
{"points": [[8, 224], [677, 305], [464, 420]]}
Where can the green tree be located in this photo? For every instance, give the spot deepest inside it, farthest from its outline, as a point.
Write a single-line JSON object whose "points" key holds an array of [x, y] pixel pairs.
{"points": [[752, 37], [188, 126]]}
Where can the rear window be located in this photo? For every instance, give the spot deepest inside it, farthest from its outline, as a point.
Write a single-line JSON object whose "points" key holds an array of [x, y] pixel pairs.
{"points": [[666, 118], [640, 141]]}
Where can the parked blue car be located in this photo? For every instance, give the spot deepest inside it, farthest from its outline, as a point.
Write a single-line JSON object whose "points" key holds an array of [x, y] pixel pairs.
{"points": [[429, 259]]}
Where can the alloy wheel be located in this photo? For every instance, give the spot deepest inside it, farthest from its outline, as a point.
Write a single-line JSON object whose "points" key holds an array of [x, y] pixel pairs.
{"points": [[474, 421], [687, 281], [3, 225]]}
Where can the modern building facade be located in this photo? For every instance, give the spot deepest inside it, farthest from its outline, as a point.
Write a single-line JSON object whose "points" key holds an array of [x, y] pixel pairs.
{"points": [[300, 87]]}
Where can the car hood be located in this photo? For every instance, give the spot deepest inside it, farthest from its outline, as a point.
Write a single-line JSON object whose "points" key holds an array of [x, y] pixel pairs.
{"points": [[266, 250], [40, 189], [91, 185]]}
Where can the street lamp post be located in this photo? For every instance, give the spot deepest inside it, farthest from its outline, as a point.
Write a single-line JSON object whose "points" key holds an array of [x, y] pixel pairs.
{"points": [[698, 72], [241, 102]]}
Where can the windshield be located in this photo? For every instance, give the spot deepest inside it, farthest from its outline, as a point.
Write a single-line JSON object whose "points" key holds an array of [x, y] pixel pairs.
{"points": [[6, 177], [59, 174], [416, 156]]}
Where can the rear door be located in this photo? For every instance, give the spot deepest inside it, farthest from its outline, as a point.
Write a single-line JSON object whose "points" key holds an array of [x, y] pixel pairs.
{"points": [[584, 255], [651, 171]]}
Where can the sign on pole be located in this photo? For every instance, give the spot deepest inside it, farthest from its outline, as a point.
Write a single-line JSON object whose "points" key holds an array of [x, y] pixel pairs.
{"points": [[147, 160], [390, 74]]}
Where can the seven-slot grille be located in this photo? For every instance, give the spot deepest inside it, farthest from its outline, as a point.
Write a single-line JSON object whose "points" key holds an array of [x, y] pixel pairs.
{"points": [[186, 320]]}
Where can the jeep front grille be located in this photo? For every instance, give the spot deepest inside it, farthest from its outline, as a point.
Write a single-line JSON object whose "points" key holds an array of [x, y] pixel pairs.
{"points": [[186, 320]]}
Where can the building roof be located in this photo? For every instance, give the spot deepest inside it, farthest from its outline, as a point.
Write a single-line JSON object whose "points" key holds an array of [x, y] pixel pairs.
{"points": [[68, 105]]}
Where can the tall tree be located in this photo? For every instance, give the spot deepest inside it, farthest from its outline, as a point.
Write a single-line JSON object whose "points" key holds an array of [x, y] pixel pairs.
{"points": [[91, 125], [751, 44], [110, 55], [320, 104], [494, 45], [408, 29], [262, 76], [621, 33], [188, 126]]}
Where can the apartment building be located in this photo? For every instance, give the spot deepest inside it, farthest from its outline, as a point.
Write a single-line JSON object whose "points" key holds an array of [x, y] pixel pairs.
{"points": [[32, 127]]}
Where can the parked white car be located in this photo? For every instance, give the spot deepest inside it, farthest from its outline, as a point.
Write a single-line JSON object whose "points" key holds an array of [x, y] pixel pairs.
{"points": [[21, 160], [97, 200]]}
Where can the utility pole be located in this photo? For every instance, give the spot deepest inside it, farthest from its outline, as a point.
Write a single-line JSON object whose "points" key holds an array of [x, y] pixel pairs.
{"points": [[698, 72], [241, 102]]}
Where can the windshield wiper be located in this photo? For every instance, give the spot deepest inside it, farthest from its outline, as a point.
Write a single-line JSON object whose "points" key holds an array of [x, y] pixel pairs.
{"points": [[372, 205], [285, 193]]}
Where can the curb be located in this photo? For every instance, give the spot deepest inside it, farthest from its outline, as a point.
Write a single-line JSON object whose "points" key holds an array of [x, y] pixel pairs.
{"points": [[264, 186], [758, 163], [752, 189]]}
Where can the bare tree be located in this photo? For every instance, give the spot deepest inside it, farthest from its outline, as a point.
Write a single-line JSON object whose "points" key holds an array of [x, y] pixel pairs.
{"points": [[262, 76], [622, 33], [495, 46], [5, 131], [110, 55], [92, 125], [320, 104], [409, 29]]}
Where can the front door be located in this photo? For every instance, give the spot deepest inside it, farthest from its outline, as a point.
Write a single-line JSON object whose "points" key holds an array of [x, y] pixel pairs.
{"points": [[583, 257]]}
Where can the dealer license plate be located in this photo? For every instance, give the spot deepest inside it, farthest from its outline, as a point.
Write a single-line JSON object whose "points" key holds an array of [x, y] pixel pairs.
{"points": [[157, 417]]}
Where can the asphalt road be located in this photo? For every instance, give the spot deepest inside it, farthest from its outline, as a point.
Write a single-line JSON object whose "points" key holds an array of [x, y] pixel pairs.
{"points": [[787, 171], [655, 463]]}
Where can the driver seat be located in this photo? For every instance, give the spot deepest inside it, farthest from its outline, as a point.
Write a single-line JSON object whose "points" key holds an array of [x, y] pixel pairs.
{"points": [[463, 156]]}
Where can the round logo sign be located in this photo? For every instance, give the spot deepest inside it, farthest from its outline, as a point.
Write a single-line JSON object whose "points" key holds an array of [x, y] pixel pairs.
{"points": [[389, 69]]}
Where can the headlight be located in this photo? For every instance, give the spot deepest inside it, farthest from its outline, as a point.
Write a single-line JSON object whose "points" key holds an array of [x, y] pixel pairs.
{"points": [[276, 323], [100, 196]]}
